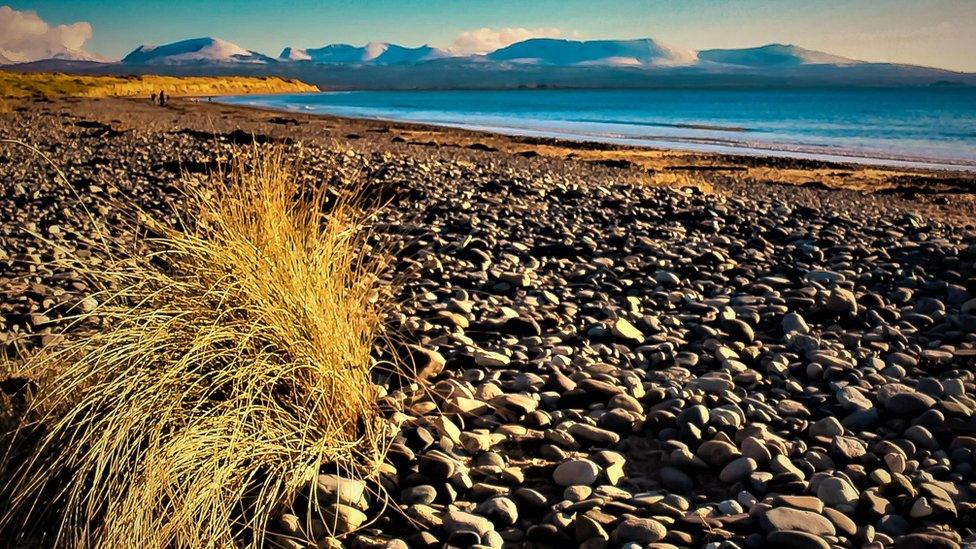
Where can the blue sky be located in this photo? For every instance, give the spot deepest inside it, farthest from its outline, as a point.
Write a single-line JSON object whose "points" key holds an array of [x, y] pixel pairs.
{"points": [[929, 32]]}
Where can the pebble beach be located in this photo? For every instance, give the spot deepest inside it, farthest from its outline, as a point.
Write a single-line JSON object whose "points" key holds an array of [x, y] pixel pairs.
{"points": [[726, 362]]}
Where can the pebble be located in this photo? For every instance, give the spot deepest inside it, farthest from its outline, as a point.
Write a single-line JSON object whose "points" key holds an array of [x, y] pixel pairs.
{"points": [[576, 472]]}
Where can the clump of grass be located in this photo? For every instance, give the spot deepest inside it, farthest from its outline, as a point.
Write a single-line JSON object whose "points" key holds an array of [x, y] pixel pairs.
{"points": [[231, 362]]}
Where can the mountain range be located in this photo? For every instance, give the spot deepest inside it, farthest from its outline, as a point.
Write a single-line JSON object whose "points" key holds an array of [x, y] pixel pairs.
{"points": [[537, 62], [643, 52]]}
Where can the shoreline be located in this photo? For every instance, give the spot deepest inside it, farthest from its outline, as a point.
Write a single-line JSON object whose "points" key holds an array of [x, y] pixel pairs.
{"points": [[692, 144], [674, 167], [943, 193], [729, 148]]}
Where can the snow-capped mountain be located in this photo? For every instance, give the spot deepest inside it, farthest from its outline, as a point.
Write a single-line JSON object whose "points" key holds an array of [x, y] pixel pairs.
{"points": [[773, 55], [541, 62], [10, 58], [643, 52], [195, 51], [373, 53]]}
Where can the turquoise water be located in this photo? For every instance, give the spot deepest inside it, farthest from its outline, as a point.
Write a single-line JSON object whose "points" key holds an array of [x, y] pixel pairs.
{"points": [[925, 127]]}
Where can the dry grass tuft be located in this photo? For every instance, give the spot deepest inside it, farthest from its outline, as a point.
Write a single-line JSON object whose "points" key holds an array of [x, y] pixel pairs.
{"points": [[232, 362]]}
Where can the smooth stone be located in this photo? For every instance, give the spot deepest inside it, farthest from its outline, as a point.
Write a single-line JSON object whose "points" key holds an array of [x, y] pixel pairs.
{"points": [[499, 510], [788, 518], [332, 488], [738, 469], [459, 521], [490, 359], [342, 519], [576, 471], [835, 491], [793, 322], [826, 427], [639, 530]]}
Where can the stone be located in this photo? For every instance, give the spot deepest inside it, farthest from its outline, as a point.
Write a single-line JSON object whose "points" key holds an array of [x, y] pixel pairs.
{"points": [[849, 448], [924, 541], [843, 523], [826, 427], [842, 301], [423, 494], [624, 330], [920, 509], [793, 322], [852, 399], [332, 488], [638, 530], [518, 403], [342, 519], [427, 363], [909, 403], [459, 521], [835, 491], [594, 435], [490, 359], [805, 503], [717, 453], [436, 466], [738, 469], [499, 510], [787, 518], [576, 471]]}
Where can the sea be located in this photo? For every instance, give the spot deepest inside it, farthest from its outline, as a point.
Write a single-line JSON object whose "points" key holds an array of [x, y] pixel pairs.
{"points": [[920, 127]]}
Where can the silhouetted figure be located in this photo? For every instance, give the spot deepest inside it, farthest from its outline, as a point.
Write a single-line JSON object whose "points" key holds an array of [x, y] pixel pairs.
{"points": [[162, 98], [153, 97]]}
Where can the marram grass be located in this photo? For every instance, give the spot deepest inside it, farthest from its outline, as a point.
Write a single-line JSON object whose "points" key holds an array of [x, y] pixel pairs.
{"points": [[230, 362]]}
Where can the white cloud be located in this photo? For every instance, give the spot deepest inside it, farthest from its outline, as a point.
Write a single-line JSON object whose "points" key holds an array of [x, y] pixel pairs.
{"points": [[484, 40], [26, 37]]}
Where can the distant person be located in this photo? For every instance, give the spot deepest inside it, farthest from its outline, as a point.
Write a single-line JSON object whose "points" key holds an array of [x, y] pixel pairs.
{"points": [[153, 96], [162, 98]]}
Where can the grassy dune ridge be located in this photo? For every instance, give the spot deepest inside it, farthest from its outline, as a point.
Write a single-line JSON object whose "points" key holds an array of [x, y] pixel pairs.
{"points": [[15, 85], [225, 365]]}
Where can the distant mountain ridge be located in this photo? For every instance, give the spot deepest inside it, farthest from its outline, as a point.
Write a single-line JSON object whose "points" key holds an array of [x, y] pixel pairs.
{"points": [[773, 55], [193, 51], [536, 62], [10, 58], [644, 52], [377, 53], [556, 52]]}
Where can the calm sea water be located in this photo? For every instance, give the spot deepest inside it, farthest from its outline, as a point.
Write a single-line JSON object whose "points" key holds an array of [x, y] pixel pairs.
{"points": [[926, 127]]}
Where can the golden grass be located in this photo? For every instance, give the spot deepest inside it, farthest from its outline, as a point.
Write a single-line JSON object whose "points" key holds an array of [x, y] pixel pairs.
{"points": [[232, 362], [15, 84]]}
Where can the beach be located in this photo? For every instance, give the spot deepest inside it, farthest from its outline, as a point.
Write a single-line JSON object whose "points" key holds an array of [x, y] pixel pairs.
{"points": [[614, 345]]}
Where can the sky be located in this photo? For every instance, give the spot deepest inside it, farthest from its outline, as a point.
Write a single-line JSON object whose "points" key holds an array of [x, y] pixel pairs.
{"points": [[931, 32]]}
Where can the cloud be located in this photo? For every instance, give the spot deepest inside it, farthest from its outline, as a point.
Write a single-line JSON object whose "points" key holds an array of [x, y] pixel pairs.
{"points": [[484, 40], [26, 37]]}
